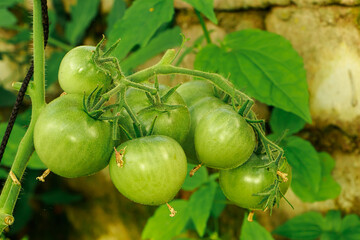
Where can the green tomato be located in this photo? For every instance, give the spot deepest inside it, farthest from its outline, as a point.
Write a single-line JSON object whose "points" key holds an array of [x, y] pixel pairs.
{"points": [[174, 123], [197, 111], [68, 141], [223, 139], [153, 171], [240, 184], [78, 73], [193, 91]]}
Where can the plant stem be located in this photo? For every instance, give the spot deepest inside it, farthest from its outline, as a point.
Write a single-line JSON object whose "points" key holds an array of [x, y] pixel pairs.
{"points": [[202, 22], [217, 79], [11, 189], [59, 44]]}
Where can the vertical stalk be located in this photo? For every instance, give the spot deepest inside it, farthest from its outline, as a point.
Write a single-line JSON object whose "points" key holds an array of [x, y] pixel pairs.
{"points": [[202, 23], [12, 188]]}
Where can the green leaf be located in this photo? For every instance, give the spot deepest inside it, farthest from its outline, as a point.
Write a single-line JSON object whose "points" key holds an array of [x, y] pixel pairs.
{"points": [[52, 69], [206, 7], [16, 135], [35, 162], [219, 202], [200, 204], [8, 3], [282, 121], [58, 196], [328, 188], [6, 98], [22, 36], [306, 168], [195, 181], [350, 227], [262, 64], [7, 19], [153, 14], [254, 231], [81, 16], [116, 13], [307, 226], [332, 221], [3, 173], [165, 40], [161, 226]]}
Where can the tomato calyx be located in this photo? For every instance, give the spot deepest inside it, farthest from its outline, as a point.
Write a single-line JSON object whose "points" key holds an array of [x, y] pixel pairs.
{"points": [[272, 194]]}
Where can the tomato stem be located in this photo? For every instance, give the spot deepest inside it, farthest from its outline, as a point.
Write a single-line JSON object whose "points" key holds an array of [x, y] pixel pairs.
{"points": [[11, 189]]}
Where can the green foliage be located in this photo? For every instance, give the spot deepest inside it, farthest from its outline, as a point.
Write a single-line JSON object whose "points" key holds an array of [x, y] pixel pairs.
{"points": [[53, 67], [81, 16], [6, 98], [312, 180], [153, 14], [254, 231], [6, 18], [207, 202], [262, 64], [116, 13], [328, 188], [161, 226], [191, 183], [206, 7], [12, 146], [200, 205], [306, 168], [163, 41], [282, 121], [9, 3], [58, 196], [313, 225], [23, 211]]}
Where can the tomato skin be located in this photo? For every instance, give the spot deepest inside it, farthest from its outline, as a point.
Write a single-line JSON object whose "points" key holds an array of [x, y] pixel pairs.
{"points": [[197, 112], [196, 90], [223, 139], [174, 123], [239, 184], [78, 73], [68, 141], [154, 169]]}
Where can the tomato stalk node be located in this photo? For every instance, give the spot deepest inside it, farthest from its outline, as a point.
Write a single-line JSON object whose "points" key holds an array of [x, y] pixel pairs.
{"points": [[195, 169], [172, 210], [282, 175], [14, 178], [250, 217], [44, 175], [119, 155]]}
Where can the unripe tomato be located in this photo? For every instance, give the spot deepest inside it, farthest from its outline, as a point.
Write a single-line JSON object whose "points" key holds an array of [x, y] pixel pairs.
{"points": [[240, 184], [193, 91], [174, 123], [78, 73], [68, 141], [223, 139], [153, 171], [197, 111]]}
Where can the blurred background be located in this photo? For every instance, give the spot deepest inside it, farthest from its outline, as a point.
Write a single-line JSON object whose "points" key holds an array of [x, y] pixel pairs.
{"points": [[326, 35]]}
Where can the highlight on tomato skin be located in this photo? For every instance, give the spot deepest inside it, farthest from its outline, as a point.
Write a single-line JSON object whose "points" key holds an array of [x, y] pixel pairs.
{"points": [[68, 141], [78, 72], [240, 185], [154, 169]]}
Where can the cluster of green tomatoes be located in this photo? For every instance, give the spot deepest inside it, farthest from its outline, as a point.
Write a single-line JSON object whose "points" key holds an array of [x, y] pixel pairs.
{"points": [[149, 133]]}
